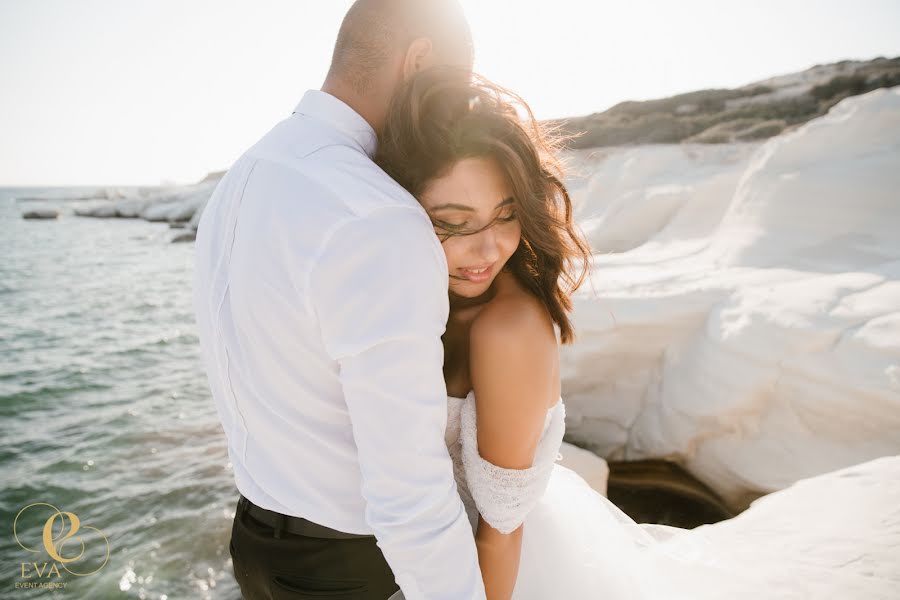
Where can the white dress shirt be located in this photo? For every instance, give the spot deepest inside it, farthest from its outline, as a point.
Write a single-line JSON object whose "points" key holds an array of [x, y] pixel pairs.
{"points": [[320, 294]]}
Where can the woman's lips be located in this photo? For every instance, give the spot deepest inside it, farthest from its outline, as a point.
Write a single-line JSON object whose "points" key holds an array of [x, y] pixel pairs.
{"points": [[477, 277]]}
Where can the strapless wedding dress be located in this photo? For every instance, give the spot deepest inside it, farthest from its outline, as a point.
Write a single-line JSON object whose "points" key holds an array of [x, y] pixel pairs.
{"points": [[832, 536]]}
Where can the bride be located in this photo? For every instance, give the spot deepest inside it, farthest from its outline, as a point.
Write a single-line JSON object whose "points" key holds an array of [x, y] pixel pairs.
{"points": [[486, 173]]}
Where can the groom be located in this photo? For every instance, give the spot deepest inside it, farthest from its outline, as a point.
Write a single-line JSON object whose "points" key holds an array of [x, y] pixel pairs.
{"points": [[321, 296]]}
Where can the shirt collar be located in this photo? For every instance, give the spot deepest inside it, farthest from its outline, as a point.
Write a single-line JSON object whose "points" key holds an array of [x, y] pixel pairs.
{"points": [[329, 109]]}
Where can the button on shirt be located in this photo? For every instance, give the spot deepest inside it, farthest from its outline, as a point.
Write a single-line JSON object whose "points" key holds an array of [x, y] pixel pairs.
{"points": [[320, 293]]}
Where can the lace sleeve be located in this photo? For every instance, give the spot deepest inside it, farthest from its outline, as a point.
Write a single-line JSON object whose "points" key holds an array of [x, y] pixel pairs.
{"points": [[504, 497]]}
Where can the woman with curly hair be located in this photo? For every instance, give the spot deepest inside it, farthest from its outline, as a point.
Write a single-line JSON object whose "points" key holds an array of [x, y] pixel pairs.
{"points": [[487, 175]]}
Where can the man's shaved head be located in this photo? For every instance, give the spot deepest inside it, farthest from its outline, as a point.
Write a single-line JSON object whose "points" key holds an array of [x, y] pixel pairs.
{"points": [[374, 32]]}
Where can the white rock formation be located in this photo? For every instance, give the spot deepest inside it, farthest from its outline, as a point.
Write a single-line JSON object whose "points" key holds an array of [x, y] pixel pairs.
{"points": [[174, 205], [591, 467], [743, 314], [180, 206]]}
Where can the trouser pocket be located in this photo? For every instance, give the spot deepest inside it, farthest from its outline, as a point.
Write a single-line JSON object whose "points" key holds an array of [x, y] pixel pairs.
{"points": [[286, 586]]}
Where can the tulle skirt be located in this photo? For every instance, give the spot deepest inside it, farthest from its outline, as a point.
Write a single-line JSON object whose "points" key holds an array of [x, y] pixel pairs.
{"points": [[832, 536]]}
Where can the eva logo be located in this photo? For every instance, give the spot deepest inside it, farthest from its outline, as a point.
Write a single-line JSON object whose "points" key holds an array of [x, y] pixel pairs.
{"points": [[58, 540]]}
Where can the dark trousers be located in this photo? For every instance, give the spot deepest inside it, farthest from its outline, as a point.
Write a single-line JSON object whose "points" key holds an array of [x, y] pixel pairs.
{"points": [[270, 564]]}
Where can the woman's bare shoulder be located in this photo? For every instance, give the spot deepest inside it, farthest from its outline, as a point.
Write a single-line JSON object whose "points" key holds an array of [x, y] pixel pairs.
{"points": [[513, 344], [514, 316]]}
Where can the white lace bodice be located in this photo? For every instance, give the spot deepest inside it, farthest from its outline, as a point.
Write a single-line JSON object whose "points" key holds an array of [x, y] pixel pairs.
{"points": [[503, 497]]}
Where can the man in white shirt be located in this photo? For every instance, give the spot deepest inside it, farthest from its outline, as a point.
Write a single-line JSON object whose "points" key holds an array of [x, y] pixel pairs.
{"points": [[321, 296]]}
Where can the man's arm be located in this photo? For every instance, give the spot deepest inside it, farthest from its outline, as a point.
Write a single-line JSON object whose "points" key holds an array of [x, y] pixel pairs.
{"points": [[380, 293]]}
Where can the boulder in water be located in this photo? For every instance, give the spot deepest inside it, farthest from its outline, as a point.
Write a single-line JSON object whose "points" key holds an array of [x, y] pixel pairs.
{"points": [[41, 213]]}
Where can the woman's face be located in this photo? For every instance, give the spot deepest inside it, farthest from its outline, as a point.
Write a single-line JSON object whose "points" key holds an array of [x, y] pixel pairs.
{"points": [[471, 195]]}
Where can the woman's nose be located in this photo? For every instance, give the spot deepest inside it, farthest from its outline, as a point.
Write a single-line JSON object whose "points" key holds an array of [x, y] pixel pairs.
{"points": [[487, 248]]}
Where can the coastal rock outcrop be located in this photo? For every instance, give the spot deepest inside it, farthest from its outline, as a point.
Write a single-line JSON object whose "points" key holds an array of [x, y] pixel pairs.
{"points": [[41, 213], [743, 315]]}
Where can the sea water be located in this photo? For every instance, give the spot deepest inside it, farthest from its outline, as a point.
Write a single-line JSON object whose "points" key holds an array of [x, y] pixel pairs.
{"points": [[106, 409]]}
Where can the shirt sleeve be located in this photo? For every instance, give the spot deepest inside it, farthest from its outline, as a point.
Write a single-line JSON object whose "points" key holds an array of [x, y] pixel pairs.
{"points": [[379, 289]]}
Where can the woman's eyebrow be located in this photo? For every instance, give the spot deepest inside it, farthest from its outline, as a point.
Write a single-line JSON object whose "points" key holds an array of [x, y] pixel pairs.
{"points": [[451, 205]]}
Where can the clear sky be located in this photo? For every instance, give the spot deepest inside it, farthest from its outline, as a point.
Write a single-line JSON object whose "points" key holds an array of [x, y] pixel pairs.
{"points": [[144, 91]]}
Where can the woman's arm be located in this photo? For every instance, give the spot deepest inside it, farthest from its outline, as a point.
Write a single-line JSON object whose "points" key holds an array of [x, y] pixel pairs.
{"points": [[512, 357], [498, 557]]}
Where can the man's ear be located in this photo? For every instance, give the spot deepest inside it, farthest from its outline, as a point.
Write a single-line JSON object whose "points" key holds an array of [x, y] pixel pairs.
{"points": [[418, 57]]}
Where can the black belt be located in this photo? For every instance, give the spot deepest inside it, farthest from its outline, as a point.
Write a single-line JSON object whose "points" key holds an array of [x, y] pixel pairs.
{"points": [[296, 525]]}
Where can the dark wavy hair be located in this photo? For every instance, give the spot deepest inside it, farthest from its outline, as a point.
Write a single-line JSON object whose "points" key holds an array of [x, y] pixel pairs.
{"points": [[443, 115]]}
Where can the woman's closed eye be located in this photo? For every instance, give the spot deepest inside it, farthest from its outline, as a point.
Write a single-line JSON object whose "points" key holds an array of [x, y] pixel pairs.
{"points": [[450, 226], [460, 226], [510, 217]]}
